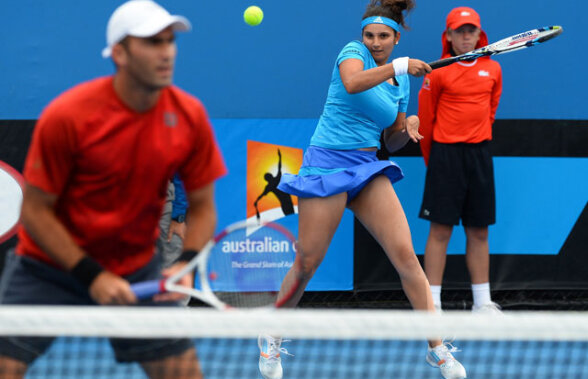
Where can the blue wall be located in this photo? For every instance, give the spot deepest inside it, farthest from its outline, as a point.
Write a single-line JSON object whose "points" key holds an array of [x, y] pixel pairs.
{"points": [[538, 201], [281, 69], [276, 77]]}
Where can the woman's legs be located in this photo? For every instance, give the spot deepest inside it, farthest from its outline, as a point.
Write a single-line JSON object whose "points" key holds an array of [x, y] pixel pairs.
{"points": [[380, 211], [318, 219]]}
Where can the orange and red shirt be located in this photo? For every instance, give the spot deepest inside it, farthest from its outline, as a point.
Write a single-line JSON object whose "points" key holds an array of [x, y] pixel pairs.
{"points": [[458, 103], [110, 166]]}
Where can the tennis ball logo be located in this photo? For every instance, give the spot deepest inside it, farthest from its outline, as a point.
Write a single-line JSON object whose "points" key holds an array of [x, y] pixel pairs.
{"points": [[253, 15]]}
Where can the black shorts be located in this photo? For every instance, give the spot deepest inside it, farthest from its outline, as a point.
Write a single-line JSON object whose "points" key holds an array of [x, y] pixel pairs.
{"points": [[27, 281], [460, 185]]}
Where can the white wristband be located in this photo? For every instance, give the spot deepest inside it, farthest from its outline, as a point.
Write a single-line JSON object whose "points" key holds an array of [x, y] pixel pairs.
{"points": [[400, 66]]}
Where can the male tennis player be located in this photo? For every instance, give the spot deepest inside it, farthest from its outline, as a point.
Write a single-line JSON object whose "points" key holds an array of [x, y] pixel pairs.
{"points": [[457, 107], [96, 177]]}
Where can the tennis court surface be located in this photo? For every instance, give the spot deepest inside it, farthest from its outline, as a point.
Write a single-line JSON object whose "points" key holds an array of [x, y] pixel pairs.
{"points": [[324, 343]]}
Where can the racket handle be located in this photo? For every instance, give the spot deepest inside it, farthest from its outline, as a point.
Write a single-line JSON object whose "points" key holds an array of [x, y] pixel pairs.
{"points": [[441, 63], [146, 290]]}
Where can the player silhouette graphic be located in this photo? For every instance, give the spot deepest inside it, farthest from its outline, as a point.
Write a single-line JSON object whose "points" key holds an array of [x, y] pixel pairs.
{"points": [[272, 186]]}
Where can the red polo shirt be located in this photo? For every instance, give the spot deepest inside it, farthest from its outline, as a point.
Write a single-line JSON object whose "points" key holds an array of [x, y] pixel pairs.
{"points": [[109, 167], [458, 103]]}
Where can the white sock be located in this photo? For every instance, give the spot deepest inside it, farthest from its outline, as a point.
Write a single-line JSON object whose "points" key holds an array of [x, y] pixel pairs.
{"points": [[436, 292], [481, 293]]}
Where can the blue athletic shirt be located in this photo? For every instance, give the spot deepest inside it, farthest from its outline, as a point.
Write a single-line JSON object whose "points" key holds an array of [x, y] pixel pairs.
{"points": [[180, 201], [353, 121]]}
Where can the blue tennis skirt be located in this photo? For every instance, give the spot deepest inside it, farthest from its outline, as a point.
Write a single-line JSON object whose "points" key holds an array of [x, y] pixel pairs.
{"points": [[327, 172]]}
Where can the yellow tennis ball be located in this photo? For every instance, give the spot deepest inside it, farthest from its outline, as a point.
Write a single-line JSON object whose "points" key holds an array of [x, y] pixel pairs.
{"points": [[253, 15]]}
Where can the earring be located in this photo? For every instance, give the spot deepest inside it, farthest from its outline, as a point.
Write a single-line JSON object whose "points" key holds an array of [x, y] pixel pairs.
{"points": [[396, 43]]}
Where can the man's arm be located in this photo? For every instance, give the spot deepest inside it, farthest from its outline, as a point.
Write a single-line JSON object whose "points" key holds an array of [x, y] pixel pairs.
{"points": [[39, 219], [428, 99], [201, 223], [279, 175], [179, 205], [496, 93], [201, 217], [180, 202], [266, 190]]}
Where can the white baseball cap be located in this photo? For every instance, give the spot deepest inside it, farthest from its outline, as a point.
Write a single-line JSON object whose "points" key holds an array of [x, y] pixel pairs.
{"points": [[140, 18]]}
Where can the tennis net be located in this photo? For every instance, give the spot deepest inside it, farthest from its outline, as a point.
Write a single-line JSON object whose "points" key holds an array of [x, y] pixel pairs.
{"points": [[324, 343]]}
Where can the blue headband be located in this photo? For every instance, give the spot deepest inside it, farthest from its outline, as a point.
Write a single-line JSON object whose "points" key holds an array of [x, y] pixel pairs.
{"points": [[380, 20]]}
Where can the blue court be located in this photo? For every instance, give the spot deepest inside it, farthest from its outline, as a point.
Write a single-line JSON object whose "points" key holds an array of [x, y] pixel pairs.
{"points": [[318, 359]]}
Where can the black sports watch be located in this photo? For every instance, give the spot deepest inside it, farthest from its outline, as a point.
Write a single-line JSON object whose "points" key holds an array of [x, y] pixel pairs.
{"points": [[180, 218]]}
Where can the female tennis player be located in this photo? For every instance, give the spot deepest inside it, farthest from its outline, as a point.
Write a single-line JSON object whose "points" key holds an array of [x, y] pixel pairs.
{"points": [[367, 96]]}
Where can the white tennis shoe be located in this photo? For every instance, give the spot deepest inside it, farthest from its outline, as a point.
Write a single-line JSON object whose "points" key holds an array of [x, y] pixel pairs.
{"points": [[441, 357], [270, 362], [489, 308]]}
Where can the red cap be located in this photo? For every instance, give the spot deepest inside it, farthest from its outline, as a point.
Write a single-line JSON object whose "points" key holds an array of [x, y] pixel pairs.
{"points": [[458, 17], [463, 15]]}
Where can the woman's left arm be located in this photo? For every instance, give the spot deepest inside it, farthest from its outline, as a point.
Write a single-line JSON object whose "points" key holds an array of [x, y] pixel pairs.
{"points": [[404, 128]]}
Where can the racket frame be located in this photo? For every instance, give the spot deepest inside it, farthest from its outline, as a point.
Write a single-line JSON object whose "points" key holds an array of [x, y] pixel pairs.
{"points": [[198, 265], [507, 45], [19, 179]]}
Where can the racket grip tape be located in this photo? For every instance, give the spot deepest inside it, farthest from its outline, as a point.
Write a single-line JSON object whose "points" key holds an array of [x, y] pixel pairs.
{"points": [[146, 290], [441, 63], [187, 255]]}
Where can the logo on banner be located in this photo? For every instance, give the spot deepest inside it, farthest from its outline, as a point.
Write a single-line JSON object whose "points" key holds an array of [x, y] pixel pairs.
{"points": [[258, 258], [266, 163]]}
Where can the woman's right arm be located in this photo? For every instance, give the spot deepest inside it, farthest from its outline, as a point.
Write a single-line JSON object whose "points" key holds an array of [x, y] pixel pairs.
{"points": [[356, 80]]}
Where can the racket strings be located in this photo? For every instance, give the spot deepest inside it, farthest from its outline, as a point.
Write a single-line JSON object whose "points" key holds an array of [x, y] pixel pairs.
{"points": [[247, 265]]}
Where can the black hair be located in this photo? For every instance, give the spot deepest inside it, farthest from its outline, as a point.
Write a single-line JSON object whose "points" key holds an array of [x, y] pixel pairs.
{"points": [[393, 9]]}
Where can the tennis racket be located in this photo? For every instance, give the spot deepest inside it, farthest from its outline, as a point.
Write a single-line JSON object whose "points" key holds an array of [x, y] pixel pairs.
{"points": [[11, 194], [507, 45], [241, 267]]}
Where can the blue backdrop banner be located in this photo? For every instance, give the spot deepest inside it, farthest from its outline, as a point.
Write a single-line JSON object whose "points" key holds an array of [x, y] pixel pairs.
{"points": [[250, 147]]}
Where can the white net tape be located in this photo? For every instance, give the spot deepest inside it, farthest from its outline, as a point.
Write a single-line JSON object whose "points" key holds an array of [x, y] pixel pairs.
{"points": [[316, 324]]}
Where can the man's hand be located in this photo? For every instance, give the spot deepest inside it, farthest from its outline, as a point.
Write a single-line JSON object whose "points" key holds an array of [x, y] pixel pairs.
{"points": [[186, 281], [111, 289], [178, 228]]}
